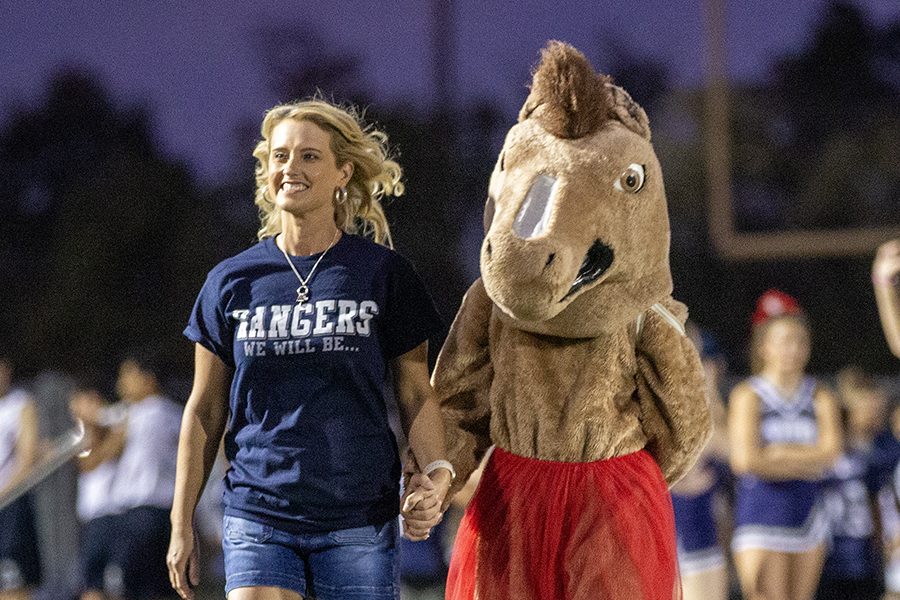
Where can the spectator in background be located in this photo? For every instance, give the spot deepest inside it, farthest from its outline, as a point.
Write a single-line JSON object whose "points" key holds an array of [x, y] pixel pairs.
{"points": [[889, 507], [95, 506], [19, 555], [143, 440], [208, 522], [886, 281], [697, 497], [853, 567], [785, 434]]}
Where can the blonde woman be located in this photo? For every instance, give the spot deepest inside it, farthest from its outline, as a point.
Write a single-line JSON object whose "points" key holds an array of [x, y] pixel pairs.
{"points": [[785, 436], [296, 340]]}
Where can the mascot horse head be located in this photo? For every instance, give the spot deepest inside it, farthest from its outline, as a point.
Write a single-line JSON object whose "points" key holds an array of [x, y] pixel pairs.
{"points": [[577, 231]]}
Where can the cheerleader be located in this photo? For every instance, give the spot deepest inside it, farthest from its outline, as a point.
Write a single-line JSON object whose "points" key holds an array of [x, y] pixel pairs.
{"points": [[785, 435]]}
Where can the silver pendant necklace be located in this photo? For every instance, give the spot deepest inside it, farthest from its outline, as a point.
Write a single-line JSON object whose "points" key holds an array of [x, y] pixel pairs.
{"points": [[303, 290]]}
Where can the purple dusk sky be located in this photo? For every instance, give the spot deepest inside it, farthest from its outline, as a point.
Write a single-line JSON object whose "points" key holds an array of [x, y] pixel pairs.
{"points": [[194, 63]]}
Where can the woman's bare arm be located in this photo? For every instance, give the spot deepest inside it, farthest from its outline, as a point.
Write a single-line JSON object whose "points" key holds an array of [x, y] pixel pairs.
{"points": [[26, 443], [202, 427], [820, 457], [420, 415], [779, 462]]}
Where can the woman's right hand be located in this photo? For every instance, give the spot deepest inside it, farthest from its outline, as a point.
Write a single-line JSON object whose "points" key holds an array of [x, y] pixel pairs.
{"points": [[183, 560]]}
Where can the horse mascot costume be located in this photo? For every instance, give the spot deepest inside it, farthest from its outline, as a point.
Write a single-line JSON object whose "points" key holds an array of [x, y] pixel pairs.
{"points": [[568, 357]]}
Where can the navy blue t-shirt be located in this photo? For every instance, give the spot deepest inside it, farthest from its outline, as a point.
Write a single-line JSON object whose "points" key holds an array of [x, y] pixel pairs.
{"points": [[308, 439]]}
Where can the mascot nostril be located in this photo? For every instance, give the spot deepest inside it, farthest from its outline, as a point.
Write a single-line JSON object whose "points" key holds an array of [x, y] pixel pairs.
{"points": [[597, 260], [589, 402]]}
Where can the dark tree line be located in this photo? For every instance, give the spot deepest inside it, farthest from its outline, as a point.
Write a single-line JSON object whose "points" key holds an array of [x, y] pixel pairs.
{"points": [[105, 242], [95, 222]]}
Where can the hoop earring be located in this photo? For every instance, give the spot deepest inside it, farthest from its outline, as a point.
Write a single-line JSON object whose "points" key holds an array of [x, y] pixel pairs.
{"points": [[265, 193], [340, 195]]}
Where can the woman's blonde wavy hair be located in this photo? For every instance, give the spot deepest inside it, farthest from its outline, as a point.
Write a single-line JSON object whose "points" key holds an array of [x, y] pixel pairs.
{"points": [[375, 174]]}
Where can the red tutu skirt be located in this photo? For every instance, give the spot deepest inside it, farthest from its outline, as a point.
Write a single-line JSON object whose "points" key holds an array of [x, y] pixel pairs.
{"points": [[546, 530]]}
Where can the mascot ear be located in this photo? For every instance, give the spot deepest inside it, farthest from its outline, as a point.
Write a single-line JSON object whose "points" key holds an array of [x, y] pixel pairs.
{"points": [[628, 112]]}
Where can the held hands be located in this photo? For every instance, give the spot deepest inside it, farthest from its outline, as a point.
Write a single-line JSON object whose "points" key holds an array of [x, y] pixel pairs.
{"points": [[421, 504]]}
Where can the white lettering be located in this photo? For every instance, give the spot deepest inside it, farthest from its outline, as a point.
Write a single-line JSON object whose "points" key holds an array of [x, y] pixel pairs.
{"points": [[241, 316], [258, 324], [290, 322], [346, 314], [367, 310], [323, 325], [278, 328], [799, 431], [300, 327]]}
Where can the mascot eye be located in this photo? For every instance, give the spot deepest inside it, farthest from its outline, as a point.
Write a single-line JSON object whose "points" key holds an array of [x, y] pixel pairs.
{"points": [[502, 161], [632, 180]]}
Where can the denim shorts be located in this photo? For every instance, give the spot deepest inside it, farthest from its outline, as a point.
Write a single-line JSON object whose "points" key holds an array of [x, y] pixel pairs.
{"points": [[352, 564]]}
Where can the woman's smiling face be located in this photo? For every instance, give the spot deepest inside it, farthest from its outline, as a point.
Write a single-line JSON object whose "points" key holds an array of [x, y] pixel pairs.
{"points": [[303, 175]]}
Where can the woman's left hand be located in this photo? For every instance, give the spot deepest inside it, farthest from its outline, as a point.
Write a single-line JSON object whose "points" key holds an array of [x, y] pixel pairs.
{"points": [[421, 507]]}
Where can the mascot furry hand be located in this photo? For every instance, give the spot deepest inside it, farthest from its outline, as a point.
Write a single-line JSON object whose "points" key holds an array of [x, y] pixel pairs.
{"points": [[569, 356]]}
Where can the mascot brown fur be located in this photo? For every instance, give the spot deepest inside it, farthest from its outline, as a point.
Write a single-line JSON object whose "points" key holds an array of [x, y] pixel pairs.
{"points": [[569, 357]]}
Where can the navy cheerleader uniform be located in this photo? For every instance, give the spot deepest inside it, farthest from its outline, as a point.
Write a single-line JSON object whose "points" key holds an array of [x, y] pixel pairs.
{"points": [[783, 516], [695, 527]]}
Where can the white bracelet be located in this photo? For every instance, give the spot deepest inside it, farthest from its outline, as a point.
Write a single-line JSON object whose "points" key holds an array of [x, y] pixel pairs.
{"points": [[440, 464]]}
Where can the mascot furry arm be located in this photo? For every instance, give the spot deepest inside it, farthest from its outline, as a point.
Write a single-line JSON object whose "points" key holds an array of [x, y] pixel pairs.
{"points": [[463, 383]]}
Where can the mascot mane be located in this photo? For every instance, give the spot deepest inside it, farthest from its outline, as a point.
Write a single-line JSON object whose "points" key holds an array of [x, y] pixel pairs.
{"points": [[574, 100]]}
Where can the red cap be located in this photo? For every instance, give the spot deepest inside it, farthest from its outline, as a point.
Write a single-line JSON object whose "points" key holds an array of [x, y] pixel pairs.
{"points": [[774, 303]]}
